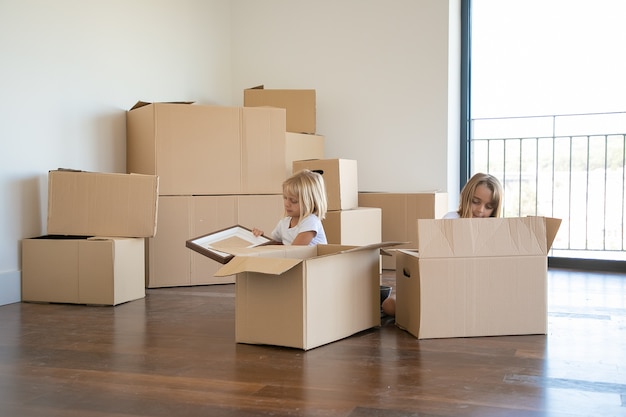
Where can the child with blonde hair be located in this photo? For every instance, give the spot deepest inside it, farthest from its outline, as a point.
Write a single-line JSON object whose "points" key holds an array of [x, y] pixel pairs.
{"points": [[305, 204], [480, 197]]}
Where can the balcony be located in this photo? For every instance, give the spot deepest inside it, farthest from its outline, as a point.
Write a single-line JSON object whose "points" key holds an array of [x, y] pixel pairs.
{"points": [[569, 166]]}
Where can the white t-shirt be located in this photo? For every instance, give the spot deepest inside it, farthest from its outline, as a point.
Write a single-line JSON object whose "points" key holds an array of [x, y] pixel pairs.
{"points": [[451, 215], [283, 233]]}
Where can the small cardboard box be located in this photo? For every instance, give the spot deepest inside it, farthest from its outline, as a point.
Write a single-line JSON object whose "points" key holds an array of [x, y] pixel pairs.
{"points": [[305, 296], [475, 277], [400, 211], [341, 180], [357, 227], [95, 270], [299, 105], [102, 204]]}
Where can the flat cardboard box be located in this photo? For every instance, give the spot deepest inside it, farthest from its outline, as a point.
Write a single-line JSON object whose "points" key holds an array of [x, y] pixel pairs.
{"points": [[172, 264], [84, 203], [399, 213], [299, 105], [305, 296], [208, 150], [216, 243], [357, 227], [341, 180], [300, 146], [81, 270], [475, 277]]}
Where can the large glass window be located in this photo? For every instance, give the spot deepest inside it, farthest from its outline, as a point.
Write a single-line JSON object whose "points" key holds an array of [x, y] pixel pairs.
{"points": [[547, 115]]}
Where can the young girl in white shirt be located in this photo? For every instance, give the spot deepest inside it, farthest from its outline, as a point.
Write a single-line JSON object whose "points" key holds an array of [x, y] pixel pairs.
{"points": [[305, 203]]}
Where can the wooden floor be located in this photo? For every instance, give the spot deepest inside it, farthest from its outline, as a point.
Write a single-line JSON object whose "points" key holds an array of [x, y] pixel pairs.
{"points": [[173, 354]]}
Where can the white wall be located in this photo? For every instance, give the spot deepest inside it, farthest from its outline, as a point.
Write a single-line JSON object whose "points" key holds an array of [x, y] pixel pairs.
{"points": [[385, 73], [70, 69]]}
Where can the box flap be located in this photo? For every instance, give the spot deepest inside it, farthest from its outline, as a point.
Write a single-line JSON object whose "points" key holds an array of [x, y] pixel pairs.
{"points": [[140, 103], [273, 266], [277, 259], [552, 228], [442, 238]]}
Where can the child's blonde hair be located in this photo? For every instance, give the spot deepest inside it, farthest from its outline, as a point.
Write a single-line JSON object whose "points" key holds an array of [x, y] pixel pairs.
{"points": [[308, 186], [467, 194]]}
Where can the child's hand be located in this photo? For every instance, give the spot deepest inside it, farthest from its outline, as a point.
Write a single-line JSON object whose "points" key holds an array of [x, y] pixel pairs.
{"points": [[257, 232]]}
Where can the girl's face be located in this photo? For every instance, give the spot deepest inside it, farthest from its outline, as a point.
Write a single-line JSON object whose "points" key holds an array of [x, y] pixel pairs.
{"points": [[482, 202], [292, 205]]}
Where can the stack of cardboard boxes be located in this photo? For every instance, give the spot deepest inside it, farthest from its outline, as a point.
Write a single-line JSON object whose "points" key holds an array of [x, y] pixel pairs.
{"points": [[94, 250], [346, 222], [218, 166]]}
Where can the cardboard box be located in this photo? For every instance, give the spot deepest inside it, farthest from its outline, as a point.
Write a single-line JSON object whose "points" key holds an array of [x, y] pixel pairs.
{"points": [[95, 270], [341, 180], [399, 213], [208, 150], [171, 263], [299, 104], [475, 277], [102, 204], [305, 296], [357, 227], [302, 146]]}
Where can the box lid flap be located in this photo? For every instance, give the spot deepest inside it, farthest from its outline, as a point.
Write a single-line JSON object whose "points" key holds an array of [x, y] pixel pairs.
{"points": [[443, 238], [279, 259], [273, 266], [140, 103]]}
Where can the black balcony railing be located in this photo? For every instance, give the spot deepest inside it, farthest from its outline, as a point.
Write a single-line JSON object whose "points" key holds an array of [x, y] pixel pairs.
{"points": [[568, 166]]}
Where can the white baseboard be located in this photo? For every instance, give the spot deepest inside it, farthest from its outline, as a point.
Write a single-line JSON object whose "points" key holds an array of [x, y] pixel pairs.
{"points": [[10, 287]]}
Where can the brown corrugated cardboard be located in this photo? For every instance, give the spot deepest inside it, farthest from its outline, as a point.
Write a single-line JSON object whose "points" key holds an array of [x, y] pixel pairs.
{"points": [[299, 104], [475, 277], [171, 263], [208, 150], [102, 204], [302, 146], [341, 180], [96, 270], [399, 213], [305, 296], [359, 226]]}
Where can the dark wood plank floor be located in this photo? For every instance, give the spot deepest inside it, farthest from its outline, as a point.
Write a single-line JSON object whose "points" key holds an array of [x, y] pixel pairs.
{"points": [[173, 354]]}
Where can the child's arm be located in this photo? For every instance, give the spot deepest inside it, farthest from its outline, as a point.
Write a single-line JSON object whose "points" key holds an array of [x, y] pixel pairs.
{"points": [[304, 238]]}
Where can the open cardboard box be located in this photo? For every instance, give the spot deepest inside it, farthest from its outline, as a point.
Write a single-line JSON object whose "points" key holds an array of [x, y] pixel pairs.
{"points": [[305, 296], [475, 277], [217, 245]]}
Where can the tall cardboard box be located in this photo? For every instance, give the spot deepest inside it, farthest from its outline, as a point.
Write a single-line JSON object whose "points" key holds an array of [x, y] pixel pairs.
{"points": [[96, 270], [305, 296], [399, 213], [341, 180], [208, 150], [299, 105], [84, 203], [475, 277]]}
